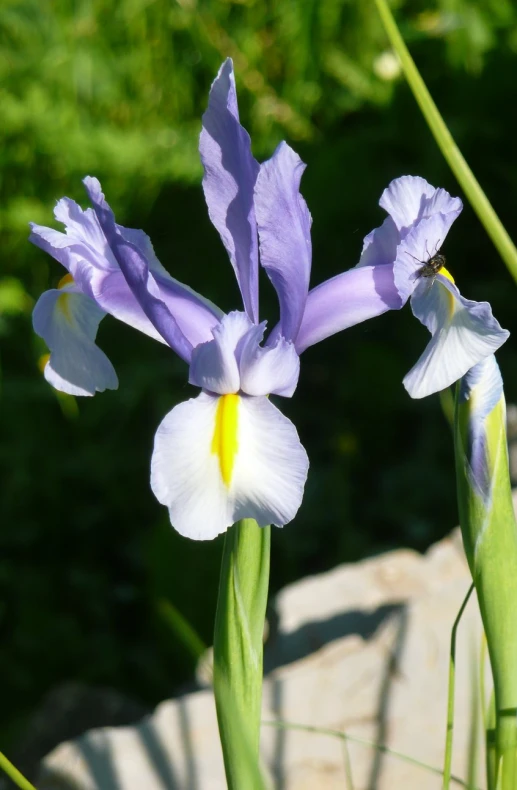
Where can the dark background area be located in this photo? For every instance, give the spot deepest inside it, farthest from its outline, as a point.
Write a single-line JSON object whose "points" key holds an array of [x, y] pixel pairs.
{"points": [[87, 556]]}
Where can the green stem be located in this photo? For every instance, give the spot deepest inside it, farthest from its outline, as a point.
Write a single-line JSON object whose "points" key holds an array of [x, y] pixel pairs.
{"points": [[14, 774], [447, 146], [238, 637], [450, 697]]}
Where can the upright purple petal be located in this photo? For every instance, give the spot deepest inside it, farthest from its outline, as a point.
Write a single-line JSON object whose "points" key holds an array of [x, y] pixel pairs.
{"points": [[347, 299], [284, 226], [135, 268], [411, 198], [230, 175]]}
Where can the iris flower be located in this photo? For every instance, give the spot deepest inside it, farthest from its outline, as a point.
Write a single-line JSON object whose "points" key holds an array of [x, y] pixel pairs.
{"points": [[408, 243], [229, 453]]}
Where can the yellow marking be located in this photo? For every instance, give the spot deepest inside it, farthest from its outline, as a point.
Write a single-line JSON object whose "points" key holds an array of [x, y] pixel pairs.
{"points": [[447, 274], [67, 279], [42, 361], [63, 303], [224, 441]]}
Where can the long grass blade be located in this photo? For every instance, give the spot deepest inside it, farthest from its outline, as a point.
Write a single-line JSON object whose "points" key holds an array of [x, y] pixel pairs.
{"points": [[450, 695]]}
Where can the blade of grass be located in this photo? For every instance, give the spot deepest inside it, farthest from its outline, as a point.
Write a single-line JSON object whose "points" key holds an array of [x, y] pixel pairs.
{"points": [[450, 695], [348, 766], [181, 628], [447, 146], [288, 725]]}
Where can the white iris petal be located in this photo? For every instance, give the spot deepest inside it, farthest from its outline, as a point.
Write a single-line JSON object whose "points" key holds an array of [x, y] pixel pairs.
{"points": [[264, 478], [68, 322], [463, 333]]}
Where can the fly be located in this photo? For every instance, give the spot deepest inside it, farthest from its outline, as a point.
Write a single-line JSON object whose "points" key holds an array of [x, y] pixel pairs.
{"points": [[431, 267]]}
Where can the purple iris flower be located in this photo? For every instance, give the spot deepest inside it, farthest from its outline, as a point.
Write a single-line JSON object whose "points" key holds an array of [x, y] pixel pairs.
{"points": [[229, 453], [407, 243]]}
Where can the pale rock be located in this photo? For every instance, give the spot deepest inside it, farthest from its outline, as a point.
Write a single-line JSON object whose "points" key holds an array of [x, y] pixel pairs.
{"points": [[362, 649]]}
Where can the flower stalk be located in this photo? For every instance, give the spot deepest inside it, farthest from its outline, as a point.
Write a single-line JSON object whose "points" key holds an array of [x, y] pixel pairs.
{"points": [[452, 154], [489, 531], [14, 774], [238, 640]]}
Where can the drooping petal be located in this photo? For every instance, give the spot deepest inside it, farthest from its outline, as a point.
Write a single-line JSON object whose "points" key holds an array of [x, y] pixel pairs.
{"points": [[230, 175], [463, 333], [214, 365], [67, 321], [135, 268], [284, 225], [345, 300], [219, 459], [85, 252], [270, 370], [411, 198]]}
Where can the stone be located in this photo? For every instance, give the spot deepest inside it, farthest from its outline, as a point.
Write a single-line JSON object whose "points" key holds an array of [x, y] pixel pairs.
{"points": [[362, 649]]}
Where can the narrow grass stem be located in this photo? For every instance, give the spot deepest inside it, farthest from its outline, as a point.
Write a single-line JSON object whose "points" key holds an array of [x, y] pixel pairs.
{"points": [[450, 695], [288, 725], [447, 146]]}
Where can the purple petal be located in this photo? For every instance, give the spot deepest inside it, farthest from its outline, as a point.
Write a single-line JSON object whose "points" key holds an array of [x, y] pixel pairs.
{"points": [[68, 321], [273, 370], [345, 300], [135, 268], [84, 251], [234, 361], [380, 246], [214, 366], [410, 198], [230, 175], [284, 226], [463, 334]]}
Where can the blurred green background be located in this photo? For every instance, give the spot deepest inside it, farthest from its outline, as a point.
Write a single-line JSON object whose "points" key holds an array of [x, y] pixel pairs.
{"points": [[87, 556]]}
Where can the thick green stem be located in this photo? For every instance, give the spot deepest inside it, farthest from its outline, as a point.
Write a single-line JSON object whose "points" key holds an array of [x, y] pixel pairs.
{"points": [[238, 638]]}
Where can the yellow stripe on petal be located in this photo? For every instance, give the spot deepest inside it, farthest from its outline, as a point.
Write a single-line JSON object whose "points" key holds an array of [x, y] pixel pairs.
{"points": [[67, 279], [447, 274], [224, 441], [42, 361], [63, 303]]}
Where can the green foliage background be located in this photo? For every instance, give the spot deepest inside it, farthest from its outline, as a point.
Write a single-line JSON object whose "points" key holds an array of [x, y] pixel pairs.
{"points": [[87, 557]]}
